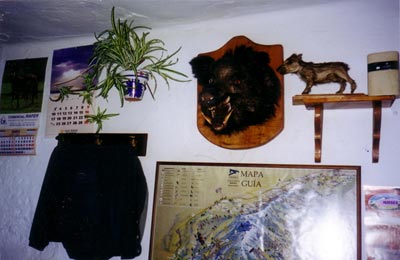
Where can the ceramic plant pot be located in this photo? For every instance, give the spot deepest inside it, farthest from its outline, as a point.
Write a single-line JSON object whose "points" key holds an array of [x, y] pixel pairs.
{"points": [[135, 85]]}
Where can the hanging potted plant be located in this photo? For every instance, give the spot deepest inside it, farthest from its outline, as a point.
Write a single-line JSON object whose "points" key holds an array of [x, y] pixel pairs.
{"points": [[130, 61]]}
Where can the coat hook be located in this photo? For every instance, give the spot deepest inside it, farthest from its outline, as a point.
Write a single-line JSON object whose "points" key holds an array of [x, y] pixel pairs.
{"points": [[98, 141], [133, 141]]}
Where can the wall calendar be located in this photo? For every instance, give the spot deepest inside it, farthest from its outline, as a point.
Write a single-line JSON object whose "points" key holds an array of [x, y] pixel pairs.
{"points": [[18, 141]]}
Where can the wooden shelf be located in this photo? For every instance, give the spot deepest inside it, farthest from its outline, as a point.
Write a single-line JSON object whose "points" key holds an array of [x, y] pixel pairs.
{"points": [[333, 101]]}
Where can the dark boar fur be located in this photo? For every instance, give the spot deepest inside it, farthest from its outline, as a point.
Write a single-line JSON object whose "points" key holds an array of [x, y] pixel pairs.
{"points": [[238, 90], [318, 73]]}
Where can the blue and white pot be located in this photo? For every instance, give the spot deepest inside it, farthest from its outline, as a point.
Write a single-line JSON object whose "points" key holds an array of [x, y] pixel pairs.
{"points": [[135, 86]]}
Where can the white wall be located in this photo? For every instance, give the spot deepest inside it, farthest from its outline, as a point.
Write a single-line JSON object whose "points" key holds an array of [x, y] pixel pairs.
{"points": [[343, 31]]}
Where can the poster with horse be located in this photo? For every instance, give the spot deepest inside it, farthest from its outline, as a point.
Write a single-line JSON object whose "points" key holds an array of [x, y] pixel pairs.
{"points": [[20, 105], [22, 86]]}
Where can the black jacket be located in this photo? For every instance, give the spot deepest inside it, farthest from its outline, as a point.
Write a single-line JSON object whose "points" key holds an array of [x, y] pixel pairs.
{"points": [[93, 200]]}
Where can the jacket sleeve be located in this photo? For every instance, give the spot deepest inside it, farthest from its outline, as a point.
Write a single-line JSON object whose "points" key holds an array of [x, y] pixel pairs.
{"points": [[142, 195], [136, 195], [45, 214]]}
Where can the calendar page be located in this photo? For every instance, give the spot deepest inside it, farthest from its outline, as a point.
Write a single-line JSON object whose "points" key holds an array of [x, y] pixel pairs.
{"points": [[67, 114], [18, 141], [68, 117]]}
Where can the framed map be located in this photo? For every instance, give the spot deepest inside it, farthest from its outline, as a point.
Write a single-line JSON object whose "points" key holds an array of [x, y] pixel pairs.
{"points": [[255, 211]]}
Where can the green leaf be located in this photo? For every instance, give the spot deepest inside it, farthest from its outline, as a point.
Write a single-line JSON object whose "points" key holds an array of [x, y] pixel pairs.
{"points": [[99, 118]]}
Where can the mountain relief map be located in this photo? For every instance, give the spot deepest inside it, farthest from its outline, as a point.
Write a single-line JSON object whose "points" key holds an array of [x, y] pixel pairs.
{"points": [[246, 212]]}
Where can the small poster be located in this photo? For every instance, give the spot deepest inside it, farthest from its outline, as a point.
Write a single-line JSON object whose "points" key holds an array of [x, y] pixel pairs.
{"points": [[22, 93], [67, 114], [22, 86], [382, 222]]}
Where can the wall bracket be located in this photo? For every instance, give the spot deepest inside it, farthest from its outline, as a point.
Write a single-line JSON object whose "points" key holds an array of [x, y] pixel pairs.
{"points": [[319, 102]]}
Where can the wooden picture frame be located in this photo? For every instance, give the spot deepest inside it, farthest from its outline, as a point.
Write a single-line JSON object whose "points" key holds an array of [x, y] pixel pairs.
{"points": [[255, 211]]}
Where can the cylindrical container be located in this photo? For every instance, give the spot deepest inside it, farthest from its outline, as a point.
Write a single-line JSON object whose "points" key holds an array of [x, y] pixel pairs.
{"points": [[135, 86], [383, 73]]}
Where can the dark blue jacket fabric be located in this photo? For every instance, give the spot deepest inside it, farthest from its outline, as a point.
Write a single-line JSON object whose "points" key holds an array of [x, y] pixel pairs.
{"points": [[93, 200]]}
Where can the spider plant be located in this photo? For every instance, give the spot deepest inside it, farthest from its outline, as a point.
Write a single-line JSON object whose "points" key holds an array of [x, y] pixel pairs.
{"points": [[98, 118], [116, 51], [121, 48]]}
